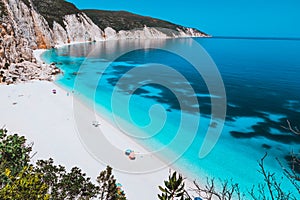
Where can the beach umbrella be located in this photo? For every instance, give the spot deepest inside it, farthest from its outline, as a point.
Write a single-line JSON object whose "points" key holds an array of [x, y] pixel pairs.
{"points": [[128, 151], [119, 185], [132, 156]]}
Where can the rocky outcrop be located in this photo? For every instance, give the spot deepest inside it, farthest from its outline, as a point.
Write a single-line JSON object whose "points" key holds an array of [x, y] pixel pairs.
{"points": [[22, 30], [26, 71], [80, 28], [42, 24], [126, 21]]}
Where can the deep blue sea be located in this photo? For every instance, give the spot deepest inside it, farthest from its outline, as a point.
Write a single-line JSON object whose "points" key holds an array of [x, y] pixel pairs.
{"points": [[262, 84]]}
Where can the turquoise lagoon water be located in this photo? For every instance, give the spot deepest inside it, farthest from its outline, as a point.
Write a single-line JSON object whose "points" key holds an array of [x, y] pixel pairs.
{"points": [[261, 79]]}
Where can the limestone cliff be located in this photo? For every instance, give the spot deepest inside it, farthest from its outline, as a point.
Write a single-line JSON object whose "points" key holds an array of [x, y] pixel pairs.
{"points": [[26, 25], [22, 30]]}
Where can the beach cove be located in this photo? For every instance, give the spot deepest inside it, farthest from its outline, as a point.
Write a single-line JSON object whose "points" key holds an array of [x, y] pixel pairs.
{"points": [[32, 110], [107, 81], [47, 120], [51, 124]]}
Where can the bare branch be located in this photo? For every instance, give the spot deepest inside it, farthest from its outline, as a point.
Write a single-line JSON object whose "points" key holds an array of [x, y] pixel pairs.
{"points": [[229, 191], [209, 191], [294, 130], [291, 175], [267, 176]]}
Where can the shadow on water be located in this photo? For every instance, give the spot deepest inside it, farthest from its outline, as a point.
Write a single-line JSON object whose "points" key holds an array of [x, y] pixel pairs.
{"points": [[261, 76]]}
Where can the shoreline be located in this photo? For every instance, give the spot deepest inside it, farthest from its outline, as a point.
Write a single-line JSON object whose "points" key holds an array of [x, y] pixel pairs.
{"points": [[105, 121], [50, 124], [37, 53]]}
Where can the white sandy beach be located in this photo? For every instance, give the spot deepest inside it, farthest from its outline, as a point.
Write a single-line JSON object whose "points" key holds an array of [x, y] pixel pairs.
{"points": [[47, 119], [31, 109]]}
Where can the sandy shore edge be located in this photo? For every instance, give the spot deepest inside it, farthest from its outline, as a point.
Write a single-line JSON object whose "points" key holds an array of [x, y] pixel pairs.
{"points": [[47, 119]]}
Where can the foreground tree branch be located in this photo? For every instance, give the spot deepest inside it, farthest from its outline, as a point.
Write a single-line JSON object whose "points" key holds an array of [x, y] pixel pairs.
{"points": [[294, 130], [19, 179], [271, 188], [229, 191]]}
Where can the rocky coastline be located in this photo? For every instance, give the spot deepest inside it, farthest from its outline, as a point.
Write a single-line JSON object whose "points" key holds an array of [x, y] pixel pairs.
{"points": [[27, 25]]}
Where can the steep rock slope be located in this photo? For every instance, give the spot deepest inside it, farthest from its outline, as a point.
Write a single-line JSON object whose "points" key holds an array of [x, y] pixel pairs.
{"points": [[126, 21], [22, 30], [54, 10], [115, 25], [45, 23], [26, 25]]}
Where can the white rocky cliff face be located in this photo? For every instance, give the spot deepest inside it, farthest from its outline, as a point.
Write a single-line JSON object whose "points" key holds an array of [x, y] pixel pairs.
{"points": [[30, 25], [23, 29], [78, 28]]}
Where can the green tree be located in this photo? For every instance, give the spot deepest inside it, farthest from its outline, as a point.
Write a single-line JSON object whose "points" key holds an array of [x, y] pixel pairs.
{"points": [[174, 188], [27, 184], [20, 180], [52, 175], [63, 185], [75, 185], [108, 189], [14, 153]]}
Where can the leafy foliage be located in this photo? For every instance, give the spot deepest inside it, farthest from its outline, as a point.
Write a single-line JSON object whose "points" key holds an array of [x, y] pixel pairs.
{"points": [[63, 185], [108, 189], [174, 189], [51, 176], [14, 153], [54, 10], [122, 20], [27, 184], [20, 180], [75, 184]]}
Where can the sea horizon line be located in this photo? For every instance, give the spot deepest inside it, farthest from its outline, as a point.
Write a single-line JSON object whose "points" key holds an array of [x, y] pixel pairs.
{"points": [[255, 38]]}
